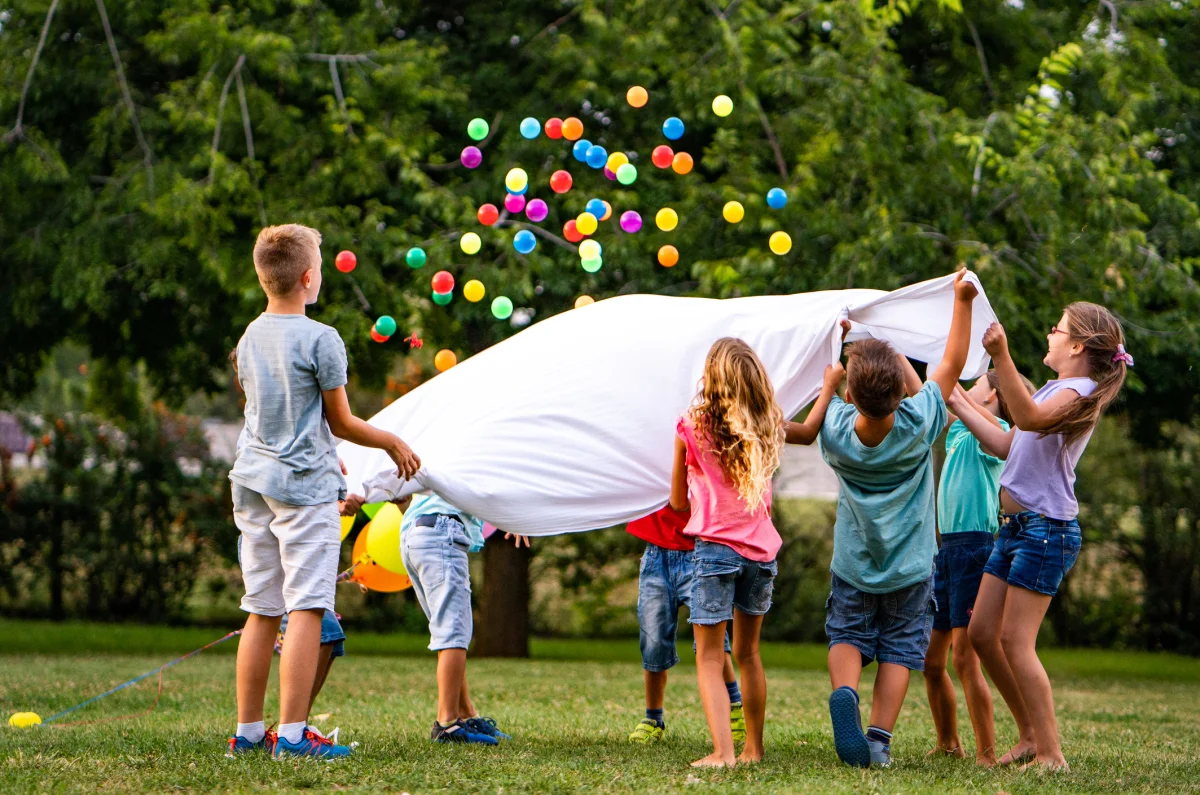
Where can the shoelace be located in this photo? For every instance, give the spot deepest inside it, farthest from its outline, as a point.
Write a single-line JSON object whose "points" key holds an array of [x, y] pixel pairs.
{"points": [[316, 738]]}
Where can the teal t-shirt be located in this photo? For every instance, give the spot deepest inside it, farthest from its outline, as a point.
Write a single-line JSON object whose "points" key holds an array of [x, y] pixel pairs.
{"points": [[426, 504], [969, 492], [885, 535]]}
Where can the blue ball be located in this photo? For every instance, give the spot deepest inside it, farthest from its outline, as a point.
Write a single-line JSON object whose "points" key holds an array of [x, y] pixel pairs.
{"points": [[524, 241], [520, 192], [530, 127], [673, 128], [596, 208], [776, 198], [580, 149], [597, 156]]}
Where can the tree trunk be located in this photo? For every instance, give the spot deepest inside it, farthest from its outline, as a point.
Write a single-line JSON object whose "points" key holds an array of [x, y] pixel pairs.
{"points": [[503, 628]]}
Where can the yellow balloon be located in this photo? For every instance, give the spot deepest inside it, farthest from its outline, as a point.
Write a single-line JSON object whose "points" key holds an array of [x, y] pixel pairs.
{"points": [[370, 574], [470, 243], [473, 291], [516, 180], [383, 543], [734, 212], [584, 300], [666, 219], [444, 360], [24, 720], [589, 249], [347, 526], [781, 242], [722, 105], [586, 223], [616, 160]]}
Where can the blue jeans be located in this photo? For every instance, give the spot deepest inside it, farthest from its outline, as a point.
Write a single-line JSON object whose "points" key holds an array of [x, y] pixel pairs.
{"points": [[889, 627], [1035, 552], [724, 580], [664, 585], [957, 572], [331, 632], [436, 561]]}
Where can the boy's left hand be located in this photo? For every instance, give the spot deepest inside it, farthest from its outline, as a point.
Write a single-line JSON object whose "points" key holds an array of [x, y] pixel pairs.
{"points": [[834, 373], [517, 539], [352, 504], [964, 289]]}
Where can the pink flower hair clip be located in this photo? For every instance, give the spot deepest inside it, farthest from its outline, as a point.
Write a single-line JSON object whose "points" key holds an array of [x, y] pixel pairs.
{"points": [[1122, 356]]}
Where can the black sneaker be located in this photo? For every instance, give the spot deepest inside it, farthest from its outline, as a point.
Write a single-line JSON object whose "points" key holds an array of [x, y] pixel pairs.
{"points": [[458, 732]]}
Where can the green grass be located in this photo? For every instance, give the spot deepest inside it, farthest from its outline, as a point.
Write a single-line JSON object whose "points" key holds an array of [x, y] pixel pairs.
{"points": [[1130, 722]]}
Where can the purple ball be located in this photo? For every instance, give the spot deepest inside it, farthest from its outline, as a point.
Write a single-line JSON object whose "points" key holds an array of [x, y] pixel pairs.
{"points": [[471, 157], [631, 221], [514, 202], [536, 210], [609, 174]]}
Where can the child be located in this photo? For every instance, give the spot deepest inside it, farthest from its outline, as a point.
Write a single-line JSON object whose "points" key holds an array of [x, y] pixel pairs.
{"points": [[333, 645], [880, 446], [1039, 534], [286, 485], [968, 510]]}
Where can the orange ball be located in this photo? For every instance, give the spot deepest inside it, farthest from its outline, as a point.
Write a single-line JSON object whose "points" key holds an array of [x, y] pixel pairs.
{"points": [[682, 163], [637, 96], [572, 128], [607, 211], [584, 300], [668, 256], [444, 360]]}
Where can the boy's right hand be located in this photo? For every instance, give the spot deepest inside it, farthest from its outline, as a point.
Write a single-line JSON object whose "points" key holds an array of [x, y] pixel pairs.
{"points": [[352, 504], [834, 373], [964, 290], [407, 462]]}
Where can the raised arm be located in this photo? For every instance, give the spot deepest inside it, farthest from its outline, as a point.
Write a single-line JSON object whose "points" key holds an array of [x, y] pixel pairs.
{"points": [[806, 432], [993, 440], [345, 425], [987, 415], [679, 489], [1027, 414], [912, 381], [949, 369]]}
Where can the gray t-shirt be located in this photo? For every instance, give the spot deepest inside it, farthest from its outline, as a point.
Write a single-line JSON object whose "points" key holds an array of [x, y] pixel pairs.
{"points": [[286, 451]]}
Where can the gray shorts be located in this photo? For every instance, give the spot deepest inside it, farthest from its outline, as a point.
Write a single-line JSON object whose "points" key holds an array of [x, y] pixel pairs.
{"points": [[436, 561]]}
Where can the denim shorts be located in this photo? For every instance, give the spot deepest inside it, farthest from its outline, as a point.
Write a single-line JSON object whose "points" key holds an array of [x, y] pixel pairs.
{"points": [[331, 633], [957, 572], [888, 627], [664, 585], [725, 580], [436, 561], [1035, 552]]}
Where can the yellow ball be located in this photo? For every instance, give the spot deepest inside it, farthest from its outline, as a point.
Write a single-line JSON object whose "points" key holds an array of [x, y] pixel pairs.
{"points": [[722, 105], [616, 160], [586, 223], [470, 243], [584, 300], [734, 212], [589, 249], [383, 538], [473, 291], [781, 242], [24, 720], [516, 180], [666, 219], [444, 360]]}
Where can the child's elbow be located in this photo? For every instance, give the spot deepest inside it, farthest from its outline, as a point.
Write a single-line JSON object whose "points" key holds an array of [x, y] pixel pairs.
{"points": [[679, 506]]}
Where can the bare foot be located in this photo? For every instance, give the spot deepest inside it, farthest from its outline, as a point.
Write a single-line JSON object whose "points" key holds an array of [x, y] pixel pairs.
{"points": [[748, 758], [1021, 752], [1058, 765], [712, 760], [956, 751], [985, 761]]}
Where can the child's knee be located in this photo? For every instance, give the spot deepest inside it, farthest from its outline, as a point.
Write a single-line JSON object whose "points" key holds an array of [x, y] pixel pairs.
{"points": [[934, 670], [965, 660]]}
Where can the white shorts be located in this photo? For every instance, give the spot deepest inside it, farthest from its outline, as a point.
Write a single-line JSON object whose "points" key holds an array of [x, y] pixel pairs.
{"points": [[289, 553]]}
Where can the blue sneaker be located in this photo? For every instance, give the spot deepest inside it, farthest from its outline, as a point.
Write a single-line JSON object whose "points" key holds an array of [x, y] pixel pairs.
{"points": [[484, 725], [881, 753], [311, 744], [459, 732], [239, 745], [848, 738]]}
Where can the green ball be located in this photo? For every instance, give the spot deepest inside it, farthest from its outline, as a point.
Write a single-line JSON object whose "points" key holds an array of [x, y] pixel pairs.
{"points": [[627, 174], [477, 129], [502, 307], [592, 265], [415, 257], [385, 325], [441, 299]]}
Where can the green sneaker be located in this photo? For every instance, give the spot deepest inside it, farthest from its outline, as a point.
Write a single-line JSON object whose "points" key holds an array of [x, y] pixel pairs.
{"points": [[648, 732], [737, 723]]}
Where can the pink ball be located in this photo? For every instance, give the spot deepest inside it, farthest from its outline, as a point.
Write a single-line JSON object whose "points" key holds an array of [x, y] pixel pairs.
{"points": [[514, 202], [471, 157], [609, 174], [536, 210], [631, 221]]}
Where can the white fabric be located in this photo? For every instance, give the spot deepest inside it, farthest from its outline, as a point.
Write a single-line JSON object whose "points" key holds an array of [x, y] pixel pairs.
{"points": [[570, 424]]}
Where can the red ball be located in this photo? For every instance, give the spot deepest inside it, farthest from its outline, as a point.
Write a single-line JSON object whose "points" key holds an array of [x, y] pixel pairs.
{"points": [[554, 128], [571, 231], [560, 181], [443, 282], [488, 214], [345, 261], [662, 156], [375, 335]]}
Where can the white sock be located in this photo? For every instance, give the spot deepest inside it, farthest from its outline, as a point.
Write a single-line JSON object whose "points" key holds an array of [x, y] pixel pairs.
{"points": [[254, 732], [292, 732]]}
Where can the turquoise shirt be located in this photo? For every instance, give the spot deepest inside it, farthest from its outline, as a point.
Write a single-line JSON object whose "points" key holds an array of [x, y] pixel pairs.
{"points": [[969, 492], [885, 535], [426, 504]]}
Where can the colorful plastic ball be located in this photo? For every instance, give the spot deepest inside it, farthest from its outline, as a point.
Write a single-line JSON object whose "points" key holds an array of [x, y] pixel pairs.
{"points": [[524, 241], [477, 129], [780, 242], [610, 174], [502, 307], [586, 223], [487, 214], [637, 96], [560, 181], [415, 257], [514, 202], [631, 221], [596, 156], [733, 212], [345, 261], [627, 174], [668, 256], [666, 219], [580, 150], [590, 249], [386, 324], [377, 337], [661, 156], [722, 105], [530, 128], [470, 244], [442, 282], [571, 231], [616, 160], [572, 128], [607, 211], [471, 157], [445, 359], [584, 300], [554, 128], [682, 163], [521, 192], [673, 128], [591, 265], [474, 291], [596, 208], [515, 180], [442, 299], [777, 198], [24, 720], [536, 210]]}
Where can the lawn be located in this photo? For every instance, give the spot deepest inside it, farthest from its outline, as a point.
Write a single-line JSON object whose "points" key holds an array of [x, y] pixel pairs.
{"points": [[1130, 722]]}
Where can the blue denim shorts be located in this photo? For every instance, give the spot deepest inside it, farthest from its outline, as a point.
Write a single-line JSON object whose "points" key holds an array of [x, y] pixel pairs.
{"points": [[331, 632], [436, 561], [1035, 552], [957, 572], [725, 580], [664, 585], [888, 627]]}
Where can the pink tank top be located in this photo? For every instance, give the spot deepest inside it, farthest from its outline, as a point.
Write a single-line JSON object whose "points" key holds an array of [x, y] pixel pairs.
{"points": [[719, 515]]}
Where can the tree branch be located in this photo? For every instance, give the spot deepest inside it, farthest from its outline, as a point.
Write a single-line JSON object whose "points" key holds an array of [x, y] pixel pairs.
{"points": [[17, 131], [552, 26], [147, 155], [262, 210], [987, 127], [537, 230], [342, 57], [221, 114], [987, 78], [337, 92], [482, 145]]}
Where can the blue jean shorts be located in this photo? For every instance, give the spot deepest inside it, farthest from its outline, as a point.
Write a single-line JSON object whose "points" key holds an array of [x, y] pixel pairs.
{"points": [[725, 580], [885, 627], [664, 585], [957, 572], [436, 561], [331, 633], [1035, 552]]}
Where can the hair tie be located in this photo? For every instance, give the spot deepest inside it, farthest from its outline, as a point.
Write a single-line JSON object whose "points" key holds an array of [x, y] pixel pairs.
{"points": [[1122, 356]]}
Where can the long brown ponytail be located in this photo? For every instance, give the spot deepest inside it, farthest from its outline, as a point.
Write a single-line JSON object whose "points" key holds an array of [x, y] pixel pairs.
{"points": [[1103, 340]]}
